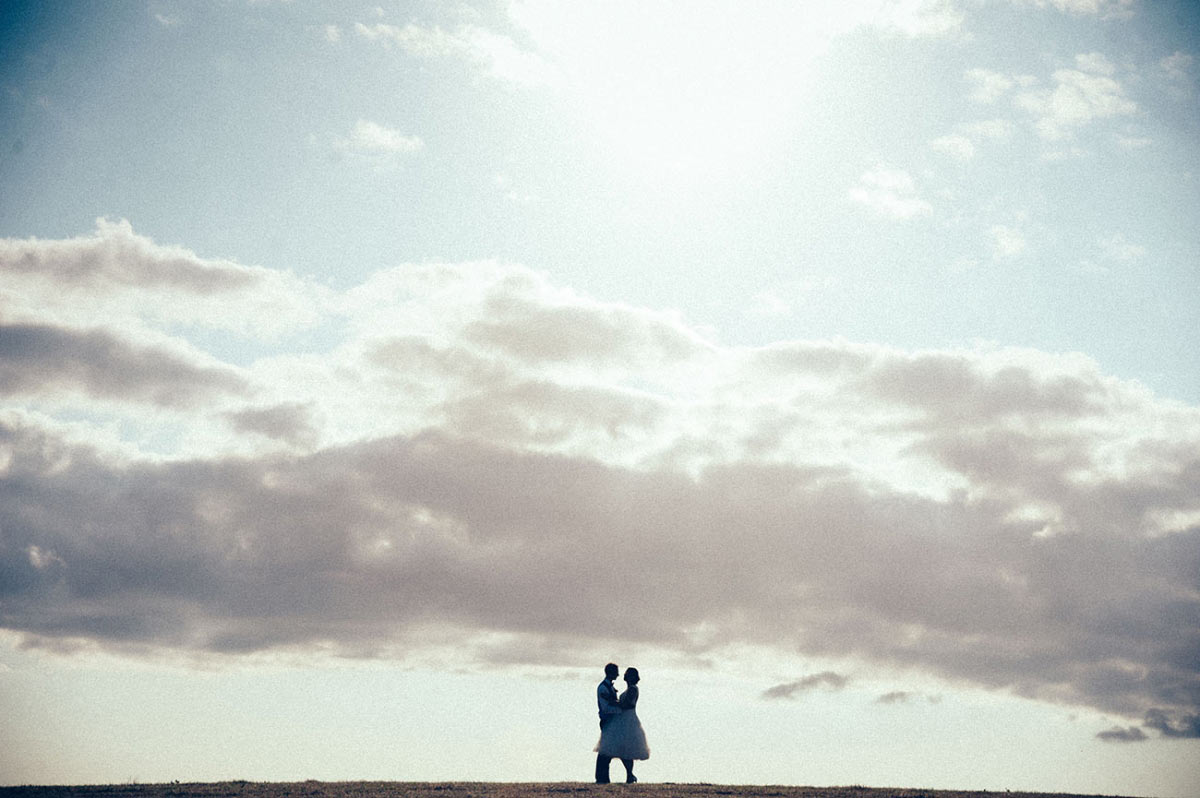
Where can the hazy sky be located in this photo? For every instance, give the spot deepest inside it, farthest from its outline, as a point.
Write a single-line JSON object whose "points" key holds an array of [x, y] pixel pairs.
{"points": [[370, 376]]}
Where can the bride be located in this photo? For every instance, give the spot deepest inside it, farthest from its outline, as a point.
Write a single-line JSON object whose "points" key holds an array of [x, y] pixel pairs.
{"points": [[623, 738]]}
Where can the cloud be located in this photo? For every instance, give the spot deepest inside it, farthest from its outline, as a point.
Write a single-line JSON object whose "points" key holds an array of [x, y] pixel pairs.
{"points": [[988, 86], [827, 679], [1181, 725], [962, 144], [41, 359], [957, 146], [1096, 63], [379, 145], [1123, 734], [1107, 9], [1134, 142], [495, 53], [438, 472], [1112, 251], [895, 697], [116, 277], [1177, 65], [1075, 98], [288, 422], [920, 18], [890, 192], [115, 256], [1007, 242], [1116, 248], [1078, 98]]}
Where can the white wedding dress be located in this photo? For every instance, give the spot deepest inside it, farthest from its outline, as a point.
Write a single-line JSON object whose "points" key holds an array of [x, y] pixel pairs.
{"points": [[623, 737]]}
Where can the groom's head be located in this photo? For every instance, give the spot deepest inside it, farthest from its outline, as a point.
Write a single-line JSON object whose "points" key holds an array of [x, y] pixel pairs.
{"points": [[611, 671]]}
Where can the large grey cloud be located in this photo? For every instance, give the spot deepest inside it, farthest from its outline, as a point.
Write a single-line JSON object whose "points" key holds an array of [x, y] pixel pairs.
{"points": [[356, 545], [1015, 520]]}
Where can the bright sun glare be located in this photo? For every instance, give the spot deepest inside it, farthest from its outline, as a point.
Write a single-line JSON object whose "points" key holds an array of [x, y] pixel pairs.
{"points": [[683, 90]]}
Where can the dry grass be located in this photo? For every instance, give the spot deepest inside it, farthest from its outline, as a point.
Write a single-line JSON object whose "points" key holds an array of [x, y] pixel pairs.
{"points": [[395, 789]]}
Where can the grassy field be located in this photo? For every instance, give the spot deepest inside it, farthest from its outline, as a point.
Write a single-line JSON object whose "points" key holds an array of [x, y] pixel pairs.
{"points": [[394, 789]]}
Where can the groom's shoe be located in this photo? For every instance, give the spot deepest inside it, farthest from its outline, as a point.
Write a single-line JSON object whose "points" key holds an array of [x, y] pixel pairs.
{"points": [[631, 780]]}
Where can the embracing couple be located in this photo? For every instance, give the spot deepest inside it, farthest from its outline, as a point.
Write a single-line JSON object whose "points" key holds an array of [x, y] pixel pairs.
{"points": [[621, 734]]}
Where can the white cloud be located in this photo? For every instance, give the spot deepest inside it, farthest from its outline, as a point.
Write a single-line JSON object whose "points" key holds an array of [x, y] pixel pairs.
{"points": [[962, 143], [449, 459], [988, 86], [987, 128], [499, 55], [1107, 9], [1177, 66], [1096, 63], [1077, 98], [1134, 142], [920, 17], [374, 140], [955, 145], [890, 192], [1115, 248], [1007, 242]]}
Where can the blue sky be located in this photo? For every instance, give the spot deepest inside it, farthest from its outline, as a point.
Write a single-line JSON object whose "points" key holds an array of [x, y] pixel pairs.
{"points": [[831, 362]]}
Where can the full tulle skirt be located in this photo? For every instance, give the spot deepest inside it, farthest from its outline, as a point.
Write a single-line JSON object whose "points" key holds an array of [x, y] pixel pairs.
{"points": [[624, 738]]}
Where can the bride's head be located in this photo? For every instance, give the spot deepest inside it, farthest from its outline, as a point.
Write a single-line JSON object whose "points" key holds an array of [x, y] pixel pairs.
{"points": [[631, 676]]}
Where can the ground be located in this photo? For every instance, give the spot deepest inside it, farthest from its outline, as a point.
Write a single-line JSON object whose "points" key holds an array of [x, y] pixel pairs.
{"points": [[394, 789]]}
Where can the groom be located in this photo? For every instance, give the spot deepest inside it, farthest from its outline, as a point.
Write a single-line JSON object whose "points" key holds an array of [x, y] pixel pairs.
{"points": [[606, 700]]}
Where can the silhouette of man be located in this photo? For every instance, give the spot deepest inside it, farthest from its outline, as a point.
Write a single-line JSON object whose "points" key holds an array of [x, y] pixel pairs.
{"points": [[606, 701]]}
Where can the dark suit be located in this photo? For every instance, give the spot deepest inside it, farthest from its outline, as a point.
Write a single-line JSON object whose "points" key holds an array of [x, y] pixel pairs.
{"points": [[606, 701]]}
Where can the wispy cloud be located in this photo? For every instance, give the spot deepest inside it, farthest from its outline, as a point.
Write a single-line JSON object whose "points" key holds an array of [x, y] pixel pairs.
{"points": [[955, 145], [381, 144], [496, 53], [826, 679], [964, 142], [1007, 242], [1123, 734], [1107, 9], [920, 17], [988, 86], [437, 473], [1116, 248], [1177, 65], [890, 192]]}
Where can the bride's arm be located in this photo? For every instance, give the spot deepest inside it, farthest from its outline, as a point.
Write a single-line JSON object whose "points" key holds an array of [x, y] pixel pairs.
{"points": [[629, 698]]}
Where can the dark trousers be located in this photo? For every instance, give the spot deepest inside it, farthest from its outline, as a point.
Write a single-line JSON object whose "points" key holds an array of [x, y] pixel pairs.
{"points": [[602, 761]]}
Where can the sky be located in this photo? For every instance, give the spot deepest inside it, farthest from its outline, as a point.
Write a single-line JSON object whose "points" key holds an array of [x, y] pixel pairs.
{"points": [[370, 376]]}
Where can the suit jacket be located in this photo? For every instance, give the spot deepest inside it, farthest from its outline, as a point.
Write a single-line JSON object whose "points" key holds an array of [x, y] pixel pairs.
{"points": [[606, 699]]}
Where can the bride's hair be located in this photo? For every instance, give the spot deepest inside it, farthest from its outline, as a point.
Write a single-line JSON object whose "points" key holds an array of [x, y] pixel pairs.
{"points": [[631, 675]]}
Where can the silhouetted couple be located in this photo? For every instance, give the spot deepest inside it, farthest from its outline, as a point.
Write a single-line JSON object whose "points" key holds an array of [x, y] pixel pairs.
{"points": [[621, 734]]}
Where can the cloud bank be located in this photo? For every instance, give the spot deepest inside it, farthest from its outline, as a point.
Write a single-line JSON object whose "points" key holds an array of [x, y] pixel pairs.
{"points": [[441, 468]]}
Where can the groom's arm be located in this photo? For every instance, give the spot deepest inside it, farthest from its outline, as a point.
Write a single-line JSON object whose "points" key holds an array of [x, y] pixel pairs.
{"points": [[609, 704]]}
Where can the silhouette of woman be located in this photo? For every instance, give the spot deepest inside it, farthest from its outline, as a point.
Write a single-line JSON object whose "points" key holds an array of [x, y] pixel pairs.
{"points": [[623, 738]]}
